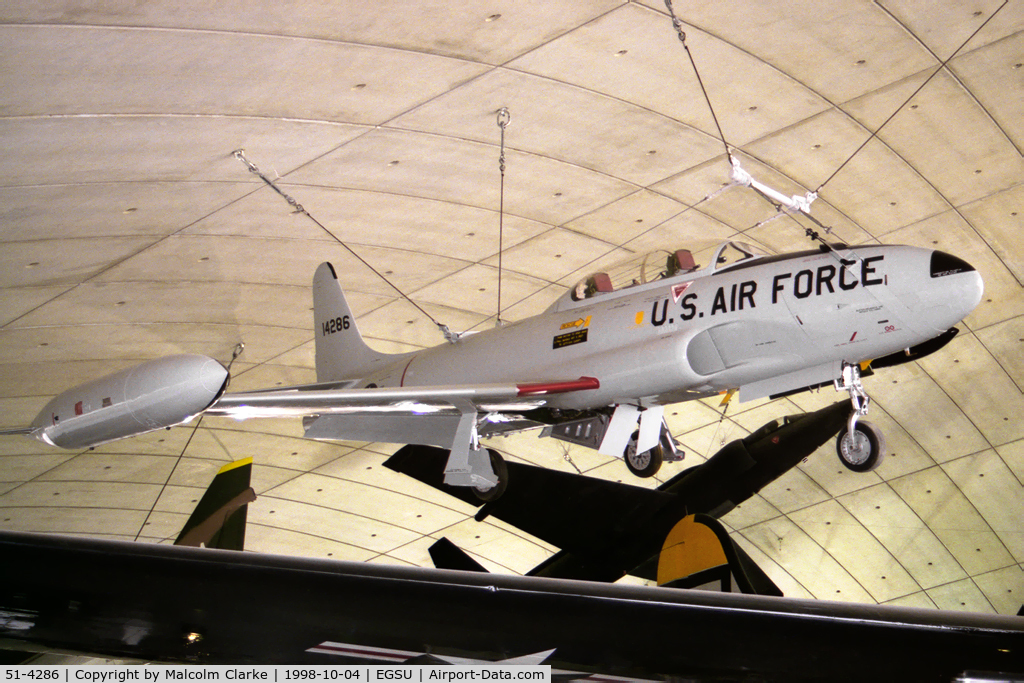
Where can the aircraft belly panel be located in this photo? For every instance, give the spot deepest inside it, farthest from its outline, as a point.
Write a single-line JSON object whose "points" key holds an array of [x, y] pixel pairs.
{"points": [[431, 430], [793, 381]]}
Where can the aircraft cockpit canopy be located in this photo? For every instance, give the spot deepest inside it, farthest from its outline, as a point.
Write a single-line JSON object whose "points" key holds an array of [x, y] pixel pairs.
{"points": [[730, 253], [658, 265]]}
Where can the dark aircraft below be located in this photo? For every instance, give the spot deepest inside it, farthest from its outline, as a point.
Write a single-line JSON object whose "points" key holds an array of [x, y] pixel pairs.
{"points": [[607, 529], [179, 604]]}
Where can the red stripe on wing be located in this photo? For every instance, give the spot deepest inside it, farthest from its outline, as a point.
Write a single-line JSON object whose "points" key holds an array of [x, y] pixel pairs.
{"points": [[542, 388]]}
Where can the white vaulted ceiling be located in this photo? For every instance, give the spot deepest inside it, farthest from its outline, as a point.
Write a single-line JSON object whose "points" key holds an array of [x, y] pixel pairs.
{"points": [[130, 231]]}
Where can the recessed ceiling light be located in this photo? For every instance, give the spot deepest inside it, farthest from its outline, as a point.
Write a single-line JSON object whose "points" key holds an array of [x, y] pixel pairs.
{"points": [[131, 210], [358, 86], [621, 52], [493, 17]]}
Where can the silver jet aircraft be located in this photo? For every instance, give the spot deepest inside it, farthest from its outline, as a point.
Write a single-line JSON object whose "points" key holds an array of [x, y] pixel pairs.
{"points": [[596, 368]]}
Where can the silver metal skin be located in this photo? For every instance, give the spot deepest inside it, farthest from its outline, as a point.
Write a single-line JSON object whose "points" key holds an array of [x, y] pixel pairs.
{"points": [[156, 394], [762, 325]]}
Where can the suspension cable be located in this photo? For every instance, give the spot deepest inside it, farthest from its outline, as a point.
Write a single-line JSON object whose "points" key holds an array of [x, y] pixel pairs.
{"points": [[240, 155], [504, 118], [912, 96], [682, 39]]}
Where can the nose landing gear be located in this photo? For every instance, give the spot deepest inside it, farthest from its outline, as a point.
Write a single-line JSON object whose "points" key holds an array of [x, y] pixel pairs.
{"points": [[861, 445]]}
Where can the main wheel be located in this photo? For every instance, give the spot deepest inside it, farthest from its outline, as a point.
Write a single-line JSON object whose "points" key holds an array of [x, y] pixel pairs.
{"points": [[644, 464], [863, 450], [501, 471]]}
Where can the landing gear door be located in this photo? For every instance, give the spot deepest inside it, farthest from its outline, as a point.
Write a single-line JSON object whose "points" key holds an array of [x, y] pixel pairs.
{"points": [[620, 429], [650, 428]]}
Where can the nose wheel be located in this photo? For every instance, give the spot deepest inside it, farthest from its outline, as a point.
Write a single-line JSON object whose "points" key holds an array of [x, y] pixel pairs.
{"points": [[862, 449], [860, 445]]}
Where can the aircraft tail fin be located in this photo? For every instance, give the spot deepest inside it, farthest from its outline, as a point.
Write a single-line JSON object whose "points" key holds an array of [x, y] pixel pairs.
{"points": [[341, 352], [219, 519], [698, 553]]}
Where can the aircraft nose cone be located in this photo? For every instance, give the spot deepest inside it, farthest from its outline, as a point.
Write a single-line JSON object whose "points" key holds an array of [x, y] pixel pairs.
{"points": [[959, 288]]}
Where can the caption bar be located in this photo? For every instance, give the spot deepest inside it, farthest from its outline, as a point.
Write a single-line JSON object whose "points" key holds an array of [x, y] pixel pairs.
{"points": [[364, 673]]}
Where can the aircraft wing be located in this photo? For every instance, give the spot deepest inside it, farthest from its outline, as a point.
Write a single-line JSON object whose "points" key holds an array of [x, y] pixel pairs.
{"points": [[444, 416], [415, 400], [225, 607]]}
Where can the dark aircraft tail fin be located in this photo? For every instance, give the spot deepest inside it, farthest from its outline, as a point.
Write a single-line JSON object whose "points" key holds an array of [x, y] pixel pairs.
{"points": [[698, 553], [447, 555], [219, 519], [341, 352]]}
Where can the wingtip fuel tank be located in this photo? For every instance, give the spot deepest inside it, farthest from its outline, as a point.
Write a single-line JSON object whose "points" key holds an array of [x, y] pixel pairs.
{"points": [[153, 395]]}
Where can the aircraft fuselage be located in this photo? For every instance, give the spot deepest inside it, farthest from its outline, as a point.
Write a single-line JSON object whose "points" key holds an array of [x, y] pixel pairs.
{"points": [[764, 326]]}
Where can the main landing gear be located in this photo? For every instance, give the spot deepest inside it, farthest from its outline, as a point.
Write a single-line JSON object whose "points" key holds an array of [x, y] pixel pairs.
{"points": [[501, 471], [860, 445], [644, 464]]}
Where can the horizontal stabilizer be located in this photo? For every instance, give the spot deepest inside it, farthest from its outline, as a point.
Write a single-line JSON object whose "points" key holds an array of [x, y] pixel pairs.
{"points": [[447, 555], [219, 519], [16, 431]]}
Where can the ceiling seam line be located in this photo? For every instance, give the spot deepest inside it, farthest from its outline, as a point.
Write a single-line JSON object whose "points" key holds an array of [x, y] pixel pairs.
{"points": [[179, 115], [357, 515], [976, 511], [247, 34], [35, 479], [338, 478], [998, 362], [776, 562], [926, 527], [913, 439], [117, 262], [896, 560], [318, 536], [828, 552], [924, 594], [974, 424], [949, 67]]}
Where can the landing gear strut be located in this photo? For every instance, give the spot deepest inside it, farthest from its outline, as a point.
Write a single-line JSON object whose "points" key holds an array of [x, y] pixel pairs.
{"points": [[861, 445]]}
